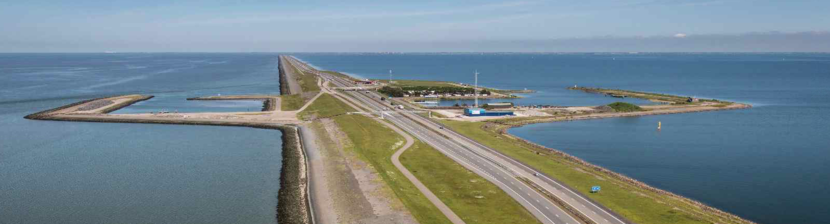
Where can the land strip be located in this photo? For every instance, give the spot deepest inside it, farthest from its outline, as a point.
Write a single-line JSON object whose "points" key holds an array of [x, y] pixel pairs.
{"points": [[461, 152], [702, 105], [288, 80], [463, 191], [292, 196], [625, 196]]}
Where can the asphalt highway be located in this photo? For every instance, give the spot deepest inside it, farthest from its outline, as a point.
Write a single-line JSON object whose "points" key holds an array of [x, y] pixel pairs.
{"points": [[484, 161]]}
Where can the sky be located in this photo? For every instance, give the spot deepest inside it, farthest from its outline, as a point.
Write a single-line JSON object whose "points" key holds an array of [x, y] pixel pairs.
{"points": [[416, 26]]}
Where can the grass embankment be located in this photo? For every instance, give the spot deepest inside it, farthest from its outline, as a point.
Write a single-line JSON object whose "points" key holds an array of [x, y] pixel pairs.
{"points": [[325, 106], [456, 186], [291, 102], [657, 97], [635, 94], [624, 107], [307, 81], [470, 196], [375, 144], [308, 89], [632, 202]]}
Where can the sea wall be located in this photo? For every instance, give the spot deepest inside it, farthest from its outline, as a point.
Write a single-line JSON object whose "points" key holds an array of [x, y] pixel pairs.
{"points": [[44, 115], [284, 90], [268, 103], [125, 104], [293, 201]]}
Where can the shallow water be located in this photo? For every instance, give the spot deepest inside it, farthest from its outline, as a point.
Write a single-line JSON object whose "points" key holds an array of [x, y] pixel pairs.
{"points": [[75, 172], [768, 164]]}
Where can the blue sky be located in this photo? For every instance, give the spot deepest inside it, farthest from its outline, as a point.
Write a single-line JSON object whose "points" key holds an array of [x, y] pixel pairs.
{"points": [[564, 25]]}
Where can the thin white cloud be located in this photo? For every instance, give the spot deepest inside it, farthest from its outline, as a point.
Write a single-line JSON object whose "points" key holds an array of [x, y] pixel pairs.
{"points": [[680, 35], [337, 15]]}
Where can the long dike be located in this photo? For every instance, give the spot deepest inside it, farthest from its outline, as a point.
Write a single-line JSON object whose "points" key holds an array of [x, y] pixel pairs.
{"points": [[617, 176], [293, 199]]}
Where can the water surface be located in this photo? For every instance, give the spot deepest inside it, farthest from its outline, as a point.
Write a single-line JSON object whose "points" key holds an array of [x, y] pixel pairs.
{"points": [[75, 172]]}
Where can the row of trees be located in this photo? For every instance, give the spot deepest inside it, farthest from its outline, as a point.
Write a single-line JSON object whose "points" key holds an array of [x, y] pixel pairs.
{"points": [[426, 90]]}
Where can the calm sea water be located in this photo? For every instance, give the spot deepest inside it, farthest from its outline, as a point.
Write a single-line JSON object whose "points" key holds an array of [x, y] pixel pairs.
{"points": [[770, 164], [74, 172]]}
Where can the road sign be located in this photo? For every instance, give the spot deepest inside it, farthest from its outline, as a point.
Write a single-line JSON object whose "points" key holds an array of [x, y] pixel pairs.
{"points": [[595, 189]]}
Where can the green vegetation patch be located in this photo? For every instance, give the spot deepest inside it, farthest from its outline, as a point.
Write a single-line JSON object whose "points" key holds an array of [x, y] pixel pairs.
{"points": [[307, 81], [633, 203], [291, 102], [625, 107], [417, 91], [470, 196], [325, 106], [375, 144], [642, 95], [419, 83]]}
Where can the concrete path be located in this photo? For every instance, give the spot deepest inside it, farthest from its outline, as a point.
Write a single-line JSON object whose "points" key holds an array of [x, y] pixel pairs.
{"points": [[432, 198], [323, 210], [290, 77]]}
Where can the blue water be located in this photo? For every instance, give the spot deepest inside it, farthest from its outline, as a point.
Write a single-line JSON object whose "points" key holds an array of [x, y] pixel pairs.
{"points": [[74, 172], [770, 164]]}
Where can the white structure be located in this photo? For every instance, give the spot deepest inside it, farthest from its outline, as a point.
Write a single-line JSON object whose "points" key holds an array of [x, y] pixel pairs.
{"points": [[475, 91]]}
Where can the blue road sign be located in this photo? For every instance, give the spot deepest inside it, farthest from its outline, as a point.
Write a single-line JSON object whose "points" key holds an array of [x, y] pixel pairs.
{"points": [[595, 189]]}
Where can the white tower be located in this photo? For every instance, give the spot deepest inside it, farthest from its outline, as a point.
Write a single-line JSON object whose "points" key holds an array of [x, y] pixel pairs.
{"points": [[390, 76], [475, 90]]}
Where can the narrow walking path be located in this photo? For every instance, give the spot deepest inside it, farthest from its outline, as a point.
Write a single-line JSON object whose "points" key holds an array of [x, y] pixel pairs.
{"points": [[396, 161], [432, 198]]}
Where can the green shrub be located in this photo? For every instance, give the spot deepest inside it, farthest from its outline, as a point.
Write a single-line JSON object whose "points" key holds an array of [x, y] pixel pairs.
{"points": [[625, 107]]}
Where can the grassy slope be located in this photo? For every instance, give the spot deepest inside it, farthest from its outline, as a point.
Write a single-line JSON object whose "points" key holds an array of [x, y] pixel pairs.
{"points": [[624, 107], [291, 102], [458, 187], [325, 106], [375, 144], [633, 203], [307, 81], [637, 94], [452, 183]]}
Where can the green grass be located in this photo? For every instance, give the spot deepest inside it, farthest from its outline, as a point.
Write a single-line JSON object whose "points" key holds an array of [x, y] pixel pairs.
{"points": [[374, 143], [636, 94], [308, 82], [633, 203], [458, 188], [325, 106], [291, 102], [624, 107]]}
